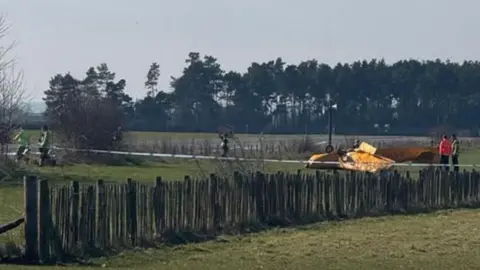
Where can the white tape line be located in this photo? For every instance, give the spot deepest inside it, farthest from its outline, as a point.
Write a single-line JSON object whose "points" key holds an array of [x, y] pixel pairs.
{"points": [[181, 156]]}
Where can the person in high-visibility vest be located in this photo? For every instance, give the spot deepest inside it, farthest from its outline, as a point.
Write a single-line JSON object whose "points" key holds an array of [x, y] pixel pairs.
{"points": [[455, 152], [445, 151], [44, 145], [23, 140]]}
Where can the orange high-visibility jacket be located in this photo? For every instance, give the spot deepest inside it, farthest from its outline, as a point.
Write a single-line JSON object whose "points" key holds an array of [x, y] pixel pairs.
{"points": [[445, 147]]}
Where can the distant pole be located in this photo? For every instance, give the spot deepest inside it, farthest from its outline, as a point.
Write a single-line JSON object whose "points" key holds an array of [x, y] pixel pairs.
{"points": [[330, 126]]}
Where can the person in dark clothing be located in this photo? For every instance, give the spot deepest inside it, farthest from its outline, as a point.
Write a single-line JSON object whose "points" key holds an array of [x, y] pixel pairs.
{"points": [[356, 144], [445, 150], [455, 153], [117, 134], [224, 144]]}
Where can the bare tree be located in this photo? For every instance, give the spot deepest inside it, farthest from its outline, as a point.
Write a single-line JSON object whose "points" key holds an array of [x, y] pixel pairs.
{"points": [[12, 91], [5, 47]]}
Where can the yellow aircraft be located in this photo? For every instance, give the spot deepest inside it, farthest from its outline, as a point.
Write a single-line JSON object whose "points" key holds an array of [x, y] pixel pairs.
{"points": [[370, 159]]}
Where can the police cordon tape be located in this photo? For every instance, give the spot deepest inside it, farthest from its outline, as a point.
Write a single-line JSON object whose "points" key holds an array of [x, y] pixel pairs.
{"points": [[183, 156]]}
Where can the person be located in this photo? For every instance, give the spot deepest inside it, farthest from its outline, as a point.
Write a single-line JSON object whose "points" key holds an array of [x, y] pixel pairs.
{"points": [[445, 150], [117, 135], [44, 144], [24, 144], [455, 152], [356, 144], [224, 144]]}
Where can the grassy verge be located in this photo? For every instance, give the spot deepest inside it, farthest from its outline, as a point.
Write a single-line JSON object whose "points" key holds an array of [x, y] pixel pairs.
{"points": [[443, 240], [176, 169], [170, 169], [276, 248]]}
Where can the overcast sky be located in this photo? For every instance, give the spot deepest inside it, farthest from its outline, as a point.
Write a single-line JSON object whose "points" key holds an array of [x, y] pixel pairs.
{"points": [[57, 36]]}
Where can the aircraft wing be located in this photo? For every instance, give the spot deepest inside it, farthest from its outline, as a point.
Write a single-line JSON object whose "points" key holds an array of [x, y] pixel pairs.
{"points": [[364, 161], [365, 147]]}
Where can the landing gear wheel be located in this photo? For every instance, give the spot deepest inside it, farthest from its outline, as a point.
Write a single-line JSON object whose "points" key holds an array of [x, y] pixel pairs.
{"points": [[329, 149]]}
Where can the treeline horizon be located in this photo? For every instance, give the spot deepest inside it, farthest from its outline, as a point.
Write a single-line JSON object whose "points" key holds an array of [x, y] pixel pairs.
{"points": [[371, 97]]}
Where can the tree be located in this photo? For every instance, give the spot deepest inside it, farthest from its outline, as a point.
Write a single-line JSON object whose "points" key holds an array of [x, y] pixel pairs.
{"points": [[406, 97], [152, 79], [12, 92], [87, 112], [195, 104]]}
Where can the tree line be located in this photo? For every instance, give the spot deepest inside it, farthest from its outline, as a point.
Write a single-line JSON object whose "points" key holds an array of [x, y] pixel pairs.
{"points": [[370, 97]]}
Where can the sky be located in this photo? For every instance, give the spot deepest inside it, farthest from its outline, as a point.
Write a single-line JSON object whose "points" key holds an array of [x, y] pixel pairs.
{"points": [[60, 36]]}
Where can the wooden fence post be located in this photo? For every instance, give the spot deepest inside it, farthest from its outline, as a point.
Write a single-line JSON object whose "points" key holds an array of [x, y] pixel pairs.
{"points": [[159, 206], [100, 221], [213, 201], [189, 206], [31, 219], [132, 211], [259, 196], [75, 190], [44, 215]]}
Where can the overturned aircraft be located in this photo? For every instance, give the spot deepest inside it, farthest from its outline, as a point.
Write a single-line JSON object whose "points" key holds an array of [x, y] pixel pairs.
{"points": [[370, 159]]}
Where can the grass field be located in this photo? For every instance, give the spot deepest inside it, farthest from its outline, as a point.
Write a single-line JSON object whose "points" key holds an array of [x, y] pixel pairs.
{"points": [[11, 197], [443, 240]]}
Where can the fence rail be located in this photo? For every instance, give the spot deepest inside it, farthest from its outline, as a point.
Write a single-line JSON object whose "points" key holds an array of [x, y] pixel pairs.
{"points": [[86, 219]]}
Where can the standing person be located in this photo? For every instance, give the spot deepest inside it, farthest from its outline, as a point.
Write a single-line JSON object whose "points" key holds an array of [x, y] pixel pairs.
{"points": [[455, 152], [24, 144], [224, 144], [445, 150], [117, 134], [44, 144], [117, 137], [356, 144]]}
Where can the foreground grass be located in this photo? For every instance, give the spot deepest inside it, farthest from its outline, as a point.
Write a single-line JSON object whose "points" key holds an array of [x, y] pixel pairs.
{"points": [[169, 169], [443, 240]]}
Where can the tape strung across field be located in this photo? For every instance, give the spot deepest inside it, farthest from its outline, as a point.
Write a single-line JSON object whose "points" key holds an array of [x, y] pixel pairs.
{"points": [[181, 156]]}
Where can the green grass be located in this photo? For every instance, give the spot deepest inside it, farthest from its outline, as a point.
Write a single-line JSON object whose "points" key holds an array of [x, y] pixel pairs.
{"points": [[176, 169], [426, 241], [443, 240], [169, 170]]}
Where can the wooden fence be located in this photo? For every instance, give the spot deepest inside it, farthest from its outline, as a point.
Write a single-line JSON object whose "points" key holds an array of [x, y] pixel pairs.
{"points": [[85, 219]]}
